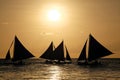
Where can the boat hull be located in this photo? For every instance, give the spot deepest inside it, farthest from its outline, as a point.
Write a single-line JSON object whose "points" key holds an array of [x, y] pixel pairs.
{"points": [[49, 62], [89, 63]]}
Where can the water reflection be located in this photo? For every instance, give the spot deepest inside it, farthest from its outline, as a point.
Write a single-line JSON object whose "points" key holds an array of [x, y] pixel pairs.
{"points": [[37, 71], [55, 72]]}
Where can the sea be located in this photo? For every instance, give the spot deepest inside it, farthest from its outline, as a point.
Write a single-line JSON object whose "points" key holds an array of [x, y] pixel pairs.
{"points": [[36, 69]]}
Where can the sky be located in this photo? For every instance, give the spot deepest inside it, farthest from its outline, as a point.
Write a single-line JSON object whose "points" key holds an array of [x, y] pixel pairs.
{"points": [[28, 19]]}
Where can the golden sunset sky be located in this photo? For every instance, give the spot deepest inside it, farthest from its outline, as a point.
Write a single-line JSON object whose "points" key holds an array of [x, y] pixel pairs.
{"points": [[34, 24]]}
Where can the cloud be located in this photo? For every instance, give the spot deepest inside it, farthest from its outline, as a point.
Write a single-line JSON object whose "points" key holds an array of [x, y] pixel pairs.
{"points": [[49, 34], [46, 33]]}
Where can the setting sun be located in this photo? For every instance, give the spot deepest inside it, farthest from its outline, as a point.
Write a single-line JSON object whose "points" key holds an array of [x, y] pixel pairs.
{"points": [[53, 15]]}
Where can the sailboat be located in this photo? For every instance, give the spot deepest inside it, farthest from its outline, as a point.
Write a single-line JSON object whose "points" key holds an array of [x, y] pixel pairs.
{"points": [[95, 51], [19, 52], [56, 55], [59, 54], [48, 54]]}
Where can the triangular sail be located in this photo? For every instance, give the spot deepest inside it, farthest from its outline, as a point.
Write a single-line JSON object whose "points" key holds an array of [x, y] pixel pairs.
{"points": [[59, 52], [67, 55], [48, 54], [8, 55], [83, 53], [20, 52], [96, 50]]}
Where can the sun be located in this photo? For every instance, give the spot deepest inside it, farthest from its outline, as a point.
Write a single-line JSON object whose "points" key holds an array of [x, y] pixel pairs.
{"points": [[54, 15]]}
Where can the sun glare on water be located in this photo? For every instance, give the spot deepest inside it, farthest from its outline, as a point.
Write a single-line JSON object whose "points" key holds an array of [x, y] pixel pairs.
{"points": [[53, 15]]}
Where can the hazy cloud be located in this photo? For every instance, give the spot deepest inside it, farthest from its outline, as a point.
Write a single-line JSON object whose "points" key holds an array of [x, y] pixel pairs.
{"points": [[46, 33]]}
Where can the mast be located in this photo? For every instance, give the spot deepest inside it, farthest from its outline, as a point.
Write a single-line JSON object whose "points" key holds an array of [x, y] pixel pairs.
{"points": [[96, 50], [20, 52], [59, 52], [48, 54], [83, 53], [67, 54]]}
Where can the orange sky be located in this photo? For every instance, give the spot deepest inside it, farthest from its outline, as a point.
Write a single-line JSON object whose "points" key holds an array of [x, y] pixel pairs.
{"points": [[28, 20]]}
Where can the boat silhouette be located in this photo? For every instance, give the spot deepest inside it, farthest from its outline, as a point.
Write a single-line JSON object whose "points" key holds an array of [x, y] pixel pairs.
{"points": [[48, 54], [19, 52], [56, 55], [95, 51]]}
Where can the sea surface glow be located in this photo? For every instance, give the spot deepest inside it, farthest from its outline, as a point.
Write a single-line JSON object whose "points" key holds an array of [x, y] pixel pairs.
{"points": [[36, 69]]}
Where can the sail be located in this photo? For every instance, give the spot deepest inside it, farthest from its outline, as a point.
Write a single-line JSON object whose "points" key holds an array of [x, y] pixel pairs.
{"points": [[59, 52], [8, 55], [20, 52], [67, 55], [96, 50], [48, 54], [83, 53]]}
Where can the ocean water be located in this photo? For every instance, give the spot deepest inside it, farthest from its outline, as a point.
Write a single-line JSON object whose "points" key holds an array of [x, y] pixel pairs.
{"points": [[36, 69]]}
